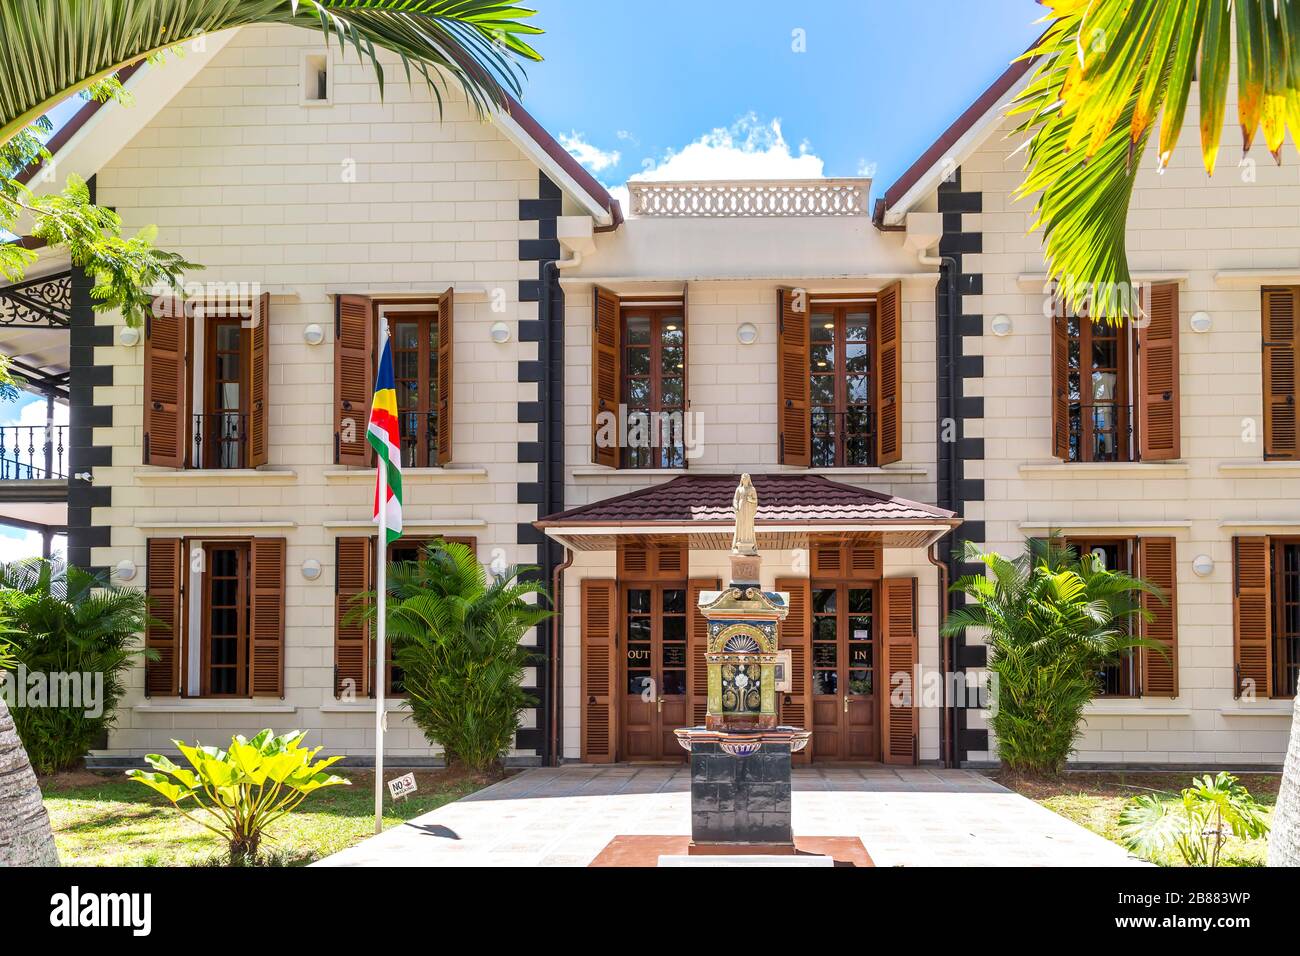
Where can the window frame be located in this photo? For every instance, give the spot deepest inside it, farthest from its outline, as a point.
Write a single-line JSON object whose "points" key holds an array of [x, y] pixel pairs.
{"points": [[1082, 436], [1277, 617], [426, 311], [1130, 668], [658, 311], [204, 452], [840, 308]]}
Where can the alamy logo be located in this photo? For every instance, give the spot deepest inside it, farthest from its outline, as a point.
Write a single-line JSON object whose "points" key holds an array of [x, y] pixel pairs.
{"points": [[76, 909]]}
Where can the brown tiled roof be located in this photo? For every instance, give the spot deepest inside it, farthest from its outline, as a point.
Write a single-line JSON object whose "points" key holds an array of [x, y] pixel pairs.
{"points": [[782, 499]]}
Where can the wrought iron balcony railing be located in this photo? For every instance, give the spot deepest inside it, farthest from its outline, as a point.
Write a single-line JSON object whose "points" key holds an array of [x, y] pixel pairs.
{"points": [[220, 440], [32, 452]]}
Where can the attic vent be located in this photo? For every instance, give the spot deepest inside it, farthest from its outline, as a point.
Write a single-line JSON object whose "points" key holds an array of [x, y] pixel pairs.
{"points": [[317, 84]]}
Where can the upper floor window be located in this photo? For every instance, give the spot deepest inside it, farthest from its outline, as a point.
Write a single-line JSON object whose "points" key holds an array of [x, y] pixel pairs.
{"points": [[1115, 386], [840, 374], [1281, 346], [414, 337], [654, 386]]}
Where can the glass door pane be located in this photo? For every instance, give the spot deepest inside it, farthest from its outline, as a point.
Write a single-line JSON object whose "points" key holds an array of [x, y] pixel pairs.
{"points": [[861, 643]]}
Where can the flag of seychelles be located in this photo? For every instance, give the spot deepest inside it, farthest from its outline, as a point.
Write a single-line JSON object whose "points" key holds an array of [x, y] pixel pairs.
{"points": [[384, 437]]}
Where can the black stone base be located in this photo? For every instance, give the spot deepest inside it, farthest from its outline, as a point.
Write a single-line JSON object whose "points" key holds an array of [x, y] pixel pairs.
{"points": [[740, 800]]}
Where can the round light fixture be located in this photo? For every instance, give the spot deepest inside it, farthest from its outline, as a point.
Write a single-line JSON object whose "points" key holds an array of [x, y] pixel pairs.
{"points": [[125, 570], [129, 337], [500, 333], [1001, 325], [1203, 565], [1201, 322], [747, 334], [311, 569], [313, 334]]}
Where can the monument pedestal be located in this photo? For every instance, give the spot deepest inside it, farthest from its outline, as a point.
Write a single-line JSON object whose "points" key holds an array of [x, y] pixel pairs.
{"points": [[740, 804]]}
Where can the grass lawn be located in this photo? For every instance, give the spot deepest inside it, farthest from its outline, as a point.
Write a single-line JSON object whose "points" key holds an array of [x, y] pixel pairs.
{"points": [[111, 821], [1095, 800]]}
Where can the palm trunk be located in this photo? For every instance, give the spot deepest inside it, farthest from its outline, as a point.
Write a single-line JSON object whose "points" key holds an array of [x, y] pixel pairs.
{"points": [[1284, 844], [25, 836]]}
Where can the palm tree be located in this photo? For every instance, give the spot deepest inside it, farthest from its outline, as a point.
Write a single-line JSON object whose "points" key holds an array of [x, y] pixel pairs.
{"points": [[55, 48], [25, 835], [1054, 620], [1107, 69]]}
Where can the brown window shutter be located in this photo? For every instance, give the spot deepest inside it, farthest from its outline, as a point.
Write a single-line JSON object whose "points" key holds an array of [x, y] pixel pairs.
{"points": [[670, 558], [354, 564], [1157, 562], [899, 657], [599, 669], [164, 574], [697, 683], [266, 638], [795, 635], [166, 352], [259, 407], [606, 373], [1159, 408], [1060, 382], [1280, 333], [446, 376], [793, 410], [1252, 615], [889, 375], [354, 377]]}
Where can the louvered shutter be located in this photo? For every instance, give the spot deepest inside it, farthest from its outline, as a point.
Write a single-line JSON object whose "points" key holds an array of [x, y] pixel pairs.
{"points": [[1252, 607], [354, 377], [1157, 562], [605, 378], [889, 375], [259, 408], [1060, 383], [1280, 334], [900, 705], [795, 635], [166, 335], [793, 409], [446, 376], [1159, 407], [698, 680], [164, 574], [353, 571], [266, 635], [599, 669]]}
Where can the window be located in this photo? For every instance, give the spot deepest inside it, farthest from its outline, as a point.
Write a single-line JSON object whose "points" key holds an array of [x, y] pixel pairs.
{"points": [[1281, 345], [654, 386], [1115, 554], [414, 337], [1286, 617], [224, 634], [221, 430], [1100, 413], [840, 370]]}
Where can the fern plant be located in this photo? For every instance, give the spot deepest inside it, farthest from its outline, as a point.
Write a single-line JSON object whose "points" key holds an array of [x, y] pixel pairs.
{"points": [[1198, 826]]}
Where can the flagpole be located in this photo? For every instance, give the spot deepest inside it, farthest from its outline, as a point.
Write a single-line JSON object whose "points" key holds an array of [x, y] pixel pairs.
{"points": [[381, 632]]}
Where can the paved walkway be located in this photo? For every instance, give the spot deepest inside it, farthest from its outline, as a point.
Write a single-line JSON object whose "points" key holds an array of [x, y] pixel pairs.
{"points": [[565, 816]]}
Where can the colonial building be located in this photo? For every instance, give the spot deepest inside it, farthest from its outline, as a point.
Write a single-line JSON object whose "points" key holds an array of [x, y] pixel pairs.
{"points": [[581, 390]]}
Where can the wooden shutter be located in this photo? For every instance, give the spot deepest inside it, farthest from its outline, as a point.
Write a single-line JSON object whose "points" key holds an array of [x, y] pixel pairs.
{"points": [[166, 335], [259, 408], [1280, 345], [606, 372], [1060, 382], [354, 563], [1159, 408], [839, 560], [266, 635], [698, 680], [889, 375], [599, 669], [1252, 614], [1157, 562], [899, 726], [792, 388], [354, 377], [164, 574], [446, 376], [795, 635]]}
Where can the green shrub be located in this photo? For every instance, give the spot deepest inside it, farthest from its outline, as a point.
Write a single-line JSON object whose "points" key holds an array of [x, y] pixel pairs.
{"points": [[243, 790], [455, 634], [66, 621], [1198, 826], [1054, 621]]}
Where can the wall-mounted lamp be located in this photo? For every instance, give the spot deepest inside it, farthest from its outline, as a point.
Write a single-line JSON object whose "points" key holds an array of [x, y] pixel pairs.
{"points": [[125, 570], [313, 334], [500, 333], [1203, 565], [311, 569], [747, 334], [129, 337], [1201, 322], [1001, 325]]}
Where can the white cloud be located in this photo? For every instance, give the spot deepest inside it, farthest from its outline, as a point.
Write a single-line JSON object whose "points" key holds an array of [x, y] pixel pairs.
{"points": [[16, 544], [748, 149], [596, 160], [30, 410]]}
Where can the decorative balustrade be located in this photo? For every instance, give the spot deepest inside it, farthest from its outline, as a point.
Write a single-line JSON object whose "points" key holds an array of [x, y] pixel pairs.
{"points": [[750, 199], [32, 452]]}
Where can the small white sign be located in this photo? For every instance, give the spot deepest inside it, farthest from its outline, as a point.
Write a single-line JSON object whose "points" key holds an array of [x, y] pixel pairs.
{"points": [[781, 672], [402, 786]]}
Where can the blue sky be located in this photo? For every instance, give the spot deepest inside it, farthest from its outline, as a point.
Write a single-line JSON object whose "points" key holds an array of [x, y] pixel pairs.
{"points": [[877, 82]]}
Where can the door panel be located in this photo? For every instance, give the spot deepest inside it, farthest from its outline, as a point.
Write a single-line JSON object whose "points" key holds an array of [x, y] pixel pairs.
{"points": [[844, 669], [654, 629]]}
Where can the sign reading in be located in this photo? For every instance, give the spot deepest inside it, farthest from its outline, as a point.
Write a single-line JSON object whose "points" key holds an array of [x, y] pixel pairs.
{"points": [[402, 787]]}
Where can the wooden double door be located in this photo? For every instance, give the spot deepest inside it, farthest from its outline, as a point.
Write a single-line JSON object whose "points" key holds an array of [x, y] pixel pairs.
{"points": [[655, 631], [844, 668]]}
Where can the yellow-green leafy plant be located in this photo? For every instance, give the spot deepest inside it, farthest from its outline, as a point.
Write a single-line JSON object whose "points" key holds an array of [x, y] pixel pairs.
{"points": [[238, 793], [1198, 826]]}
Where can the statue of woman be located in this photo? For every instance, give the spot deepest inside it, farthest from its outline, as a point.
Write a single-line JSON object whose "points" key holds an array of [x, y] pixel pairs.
{"points": [[745, 501]]}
